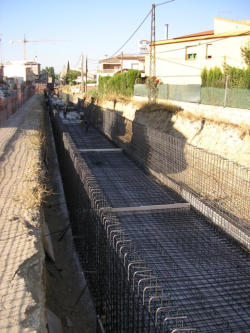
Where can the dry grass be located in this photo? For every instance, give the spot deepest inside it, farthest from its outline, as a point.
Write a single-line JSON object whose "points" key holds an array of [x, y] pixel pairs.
{"points": [[35, 188], [153, 107], [110, 98]]}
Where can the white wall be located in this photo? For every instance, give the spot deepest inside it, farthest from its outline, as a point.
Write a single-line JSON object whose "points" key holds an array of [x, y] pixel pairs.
{"points": [[133, 64], [15, 70], [223, 25], [173, 68]]}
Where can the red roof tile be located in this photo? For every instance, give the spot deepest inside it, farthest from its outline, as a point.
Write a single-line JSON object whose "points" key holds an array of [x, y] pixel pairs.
{"points": [[197, 34]]}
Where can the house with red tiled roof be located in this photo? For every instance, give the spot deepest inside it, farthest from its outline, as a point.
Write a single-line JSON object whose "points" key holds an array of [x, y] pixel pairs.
{"points": [[120, 63], [180, 60]]}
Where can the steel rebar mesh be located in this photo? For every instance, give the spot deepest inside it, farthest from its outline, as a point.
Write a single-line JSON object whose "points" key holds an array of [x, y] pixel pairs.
{"points": [[148, 272], [219, 183]]}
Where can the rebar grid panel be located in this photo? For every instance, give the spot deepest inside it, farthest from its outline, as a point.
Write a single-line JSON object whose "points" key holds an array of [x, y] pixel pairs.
{"points": [[152, 272], [222, 184]]}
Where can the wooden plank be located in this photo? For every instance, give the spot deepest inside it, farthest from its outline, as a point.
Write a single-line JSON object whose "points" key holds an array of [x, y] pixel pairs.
{"points": [[102, 150], [144, 209]]}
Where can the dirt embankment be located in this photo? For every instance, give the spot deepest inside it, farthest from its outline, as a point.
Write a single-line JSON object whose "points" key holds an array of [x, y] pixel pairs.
{"points": [[218, 130], [221, 131]]}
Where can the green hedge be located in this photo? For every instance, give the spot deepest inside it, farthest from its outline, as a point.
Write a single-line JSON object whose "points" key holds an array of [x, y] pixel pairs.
{"points": [[215, 77], [121, 84]]}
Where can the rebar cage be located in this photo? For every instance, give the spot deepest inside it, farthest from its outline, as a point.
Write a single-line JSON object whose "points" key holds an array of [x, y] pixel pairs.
{"points": [[148, 271], [215, 181]]}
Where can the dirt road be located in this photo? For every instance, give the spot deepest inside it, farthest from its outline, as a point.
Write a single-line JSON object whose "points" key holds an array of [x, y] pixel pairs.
{"points": [[22, 293]]}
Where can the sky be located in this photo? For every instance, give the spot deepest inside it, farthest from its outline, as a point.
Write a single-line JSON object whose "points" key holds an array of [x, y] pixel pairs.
{"points": [[98, 28]]}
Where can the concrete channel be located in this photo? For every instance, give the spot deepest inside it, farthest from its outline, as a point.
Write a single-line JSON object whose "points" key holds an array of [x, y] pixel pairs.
{"points": [[152, 262]]}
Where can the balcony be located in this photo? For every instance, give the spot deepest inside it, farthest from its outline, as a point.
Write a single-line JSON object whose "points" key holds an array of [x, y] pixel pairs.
{"points": [[113, 70]]}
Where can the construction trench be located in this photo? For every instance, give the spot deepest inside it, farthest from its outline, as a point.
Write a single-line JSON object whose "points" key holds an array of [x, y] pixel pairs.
{"points": [[152, 261]]}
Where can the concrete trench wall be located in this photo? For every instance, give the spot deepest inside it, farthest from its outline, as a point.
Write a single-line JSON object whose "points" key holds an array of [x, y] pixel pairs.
{"points": [[213, 185]]}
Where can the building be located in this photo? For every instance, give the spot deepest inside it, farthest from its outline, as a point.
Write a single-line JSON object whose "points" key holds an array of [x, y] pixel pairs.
{"points": [[121, 63], [180, 60], [144, 46], [90, 77], [22, 70]]}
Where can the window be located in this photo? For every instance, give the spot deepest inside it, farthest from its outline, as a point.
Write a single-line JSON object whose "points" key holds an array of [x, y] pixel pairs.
{"points": [[191, 52], [209, 51], [191, 56]]}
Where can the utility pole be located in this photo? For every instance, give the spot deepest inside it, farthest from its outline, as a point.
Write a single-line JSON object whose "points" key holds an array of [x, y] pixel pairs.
{"points": [[86, 84], [82, 79], [152, 71], [152, 91], [121, 62], [166, 25]]}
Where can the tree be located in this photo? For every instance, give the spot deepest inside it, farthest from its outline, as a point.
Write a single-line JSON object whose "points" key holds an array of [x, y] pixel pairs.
{"points": [[71, 76], [51, 73], [68, 67], [245, 53]]}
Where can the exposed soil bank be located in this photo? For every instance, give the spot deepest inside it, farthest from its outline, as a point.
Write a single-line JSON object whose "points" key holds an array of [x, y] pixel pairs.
{"points": [[218, 130]]}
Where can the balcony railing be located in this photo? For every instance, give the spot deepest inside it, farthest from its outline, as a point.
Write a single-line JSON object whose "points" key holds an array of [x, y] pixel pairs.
{"points": [[113, 70]]}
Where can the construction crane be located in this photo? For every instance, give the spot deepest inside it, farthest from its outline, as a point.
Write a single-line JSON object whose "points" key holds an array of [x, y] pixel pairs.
{"points": [[25, 41]]}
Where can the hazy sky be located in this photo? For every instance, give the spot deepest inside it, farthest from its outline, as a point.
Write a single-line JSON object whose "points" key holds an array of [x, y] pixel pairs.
{"points": [[98, 28]]}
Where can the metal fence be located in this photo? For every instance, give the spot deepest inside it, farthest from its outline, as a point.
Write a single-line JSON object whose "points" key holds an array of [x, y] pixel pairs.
{"points": [[215, 181], [234, 97]]}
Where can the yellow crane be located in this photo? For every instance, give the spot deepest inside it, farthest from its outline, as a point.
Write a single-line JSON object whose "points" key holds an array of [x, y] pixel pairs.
{"points": [[25, 41]]}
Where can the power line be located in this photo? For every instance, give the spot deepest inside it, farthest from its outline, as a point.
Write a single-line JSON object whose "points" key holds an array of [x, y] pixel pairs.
{"points": [[132, 34], [178, 63], [163, 3], [157, 5]]}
